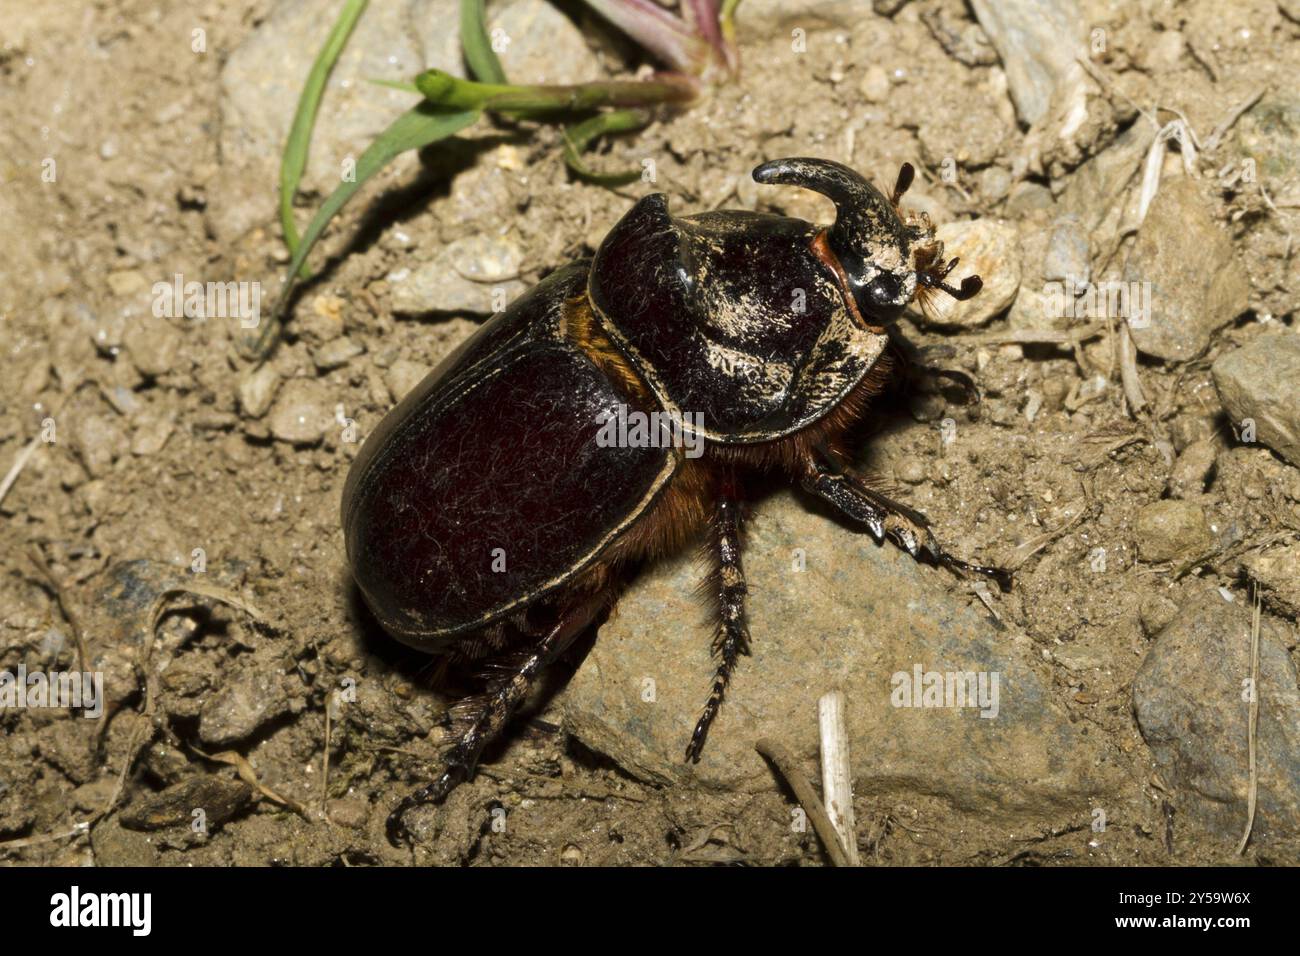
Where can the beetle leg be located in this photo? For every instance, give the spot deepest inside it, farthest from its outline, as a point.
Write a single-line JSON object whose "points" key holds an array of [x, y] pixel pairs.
{"points": [[483, 718], [728, 586], [841, 493], [884, 517]]}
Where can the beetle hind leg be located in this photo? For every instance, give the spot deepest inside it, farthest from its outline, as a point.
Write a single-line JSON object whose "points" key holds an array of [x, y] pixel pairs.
{"points": [[886, 518], [482, 718], [727, 584]]}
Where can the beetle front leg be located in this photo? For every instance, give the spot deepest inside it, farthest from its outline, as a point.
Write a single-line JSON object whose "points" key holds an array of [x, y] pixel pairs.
{"points": [[909, 529], [728, 586], [483, 718]]}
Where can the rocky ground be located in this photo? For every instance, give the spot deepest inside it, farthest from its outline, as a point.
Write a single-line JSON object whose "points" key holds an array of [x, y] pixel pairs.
{"points": [[173, 513]]}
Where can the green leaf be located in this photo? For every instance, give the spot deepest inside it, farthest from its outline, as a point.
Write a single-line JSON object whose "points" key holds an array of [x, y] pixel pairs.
{"points": [[480, 56], [414, 129], [294, 160], [578, 137]]}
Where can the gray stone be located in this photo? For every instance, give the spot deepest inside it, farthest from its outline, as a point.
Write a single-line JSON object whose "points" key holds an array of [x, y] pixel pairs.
{"points": [[1171, 529], [472, 276], [1055, 266], [1261, 382], [257, 390], [857, 615], [251, 697], [1277, 572], [1068, 255], [1027, 198], [1197, 283], [1037, 43], [302, 413], [152, 344], [1155, 613], [151, 433], [1098, 190], [962, 40], [260, 85], [403, 375], [336, 353], [1192, 469], [1188, 697], [97, 439], [540, 44]]}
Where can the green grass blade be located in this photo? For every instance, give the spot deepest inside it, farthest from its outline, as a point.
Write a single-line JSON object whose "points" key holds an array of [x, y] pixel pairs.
{"points": [[294, 160], [578, 137], [414, 129], [480, 56]]}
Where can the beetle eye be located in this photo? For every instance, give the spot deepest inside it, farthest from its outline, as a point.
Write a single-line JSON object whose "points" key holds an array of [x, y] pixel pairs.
{"points": [[884, 291]]}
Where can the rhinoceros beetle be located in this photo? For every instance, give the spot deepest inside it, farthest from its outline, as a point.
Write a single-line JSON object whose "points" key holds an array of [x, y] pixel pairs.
{"points": [[484, 517]]}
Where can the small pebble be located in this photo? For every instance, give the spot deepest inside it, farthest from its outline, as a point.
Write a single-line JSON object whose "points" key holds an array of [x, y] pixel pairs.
{"points": [[302, 413], [125, 283], [153, 346], [1155, 613], [874, 87], [910, 471], [1192, 469], [1171, 529], [1260, 383], [257, 390], [336, 353], [403, 375]]}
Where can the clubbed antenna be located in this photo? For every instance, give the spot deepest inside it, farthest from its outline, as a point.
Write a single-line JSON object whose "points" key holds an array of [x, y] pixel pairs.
{"points": [[933, 279]]}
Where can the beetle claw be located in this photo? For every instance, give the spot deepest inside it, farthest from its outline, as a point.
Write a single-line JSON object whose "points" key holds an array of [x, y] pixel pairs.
{"points": [[1001, 576], [436, 792]]}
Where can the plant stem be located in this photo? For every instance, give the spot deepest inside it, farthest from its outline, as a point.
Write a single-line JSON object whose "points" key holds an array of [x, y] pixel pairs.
{"points": [[444, 90]]}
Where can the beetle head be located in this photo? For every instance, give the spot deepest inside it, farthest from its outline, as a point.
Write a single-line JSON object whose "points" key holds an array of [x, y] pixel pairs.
{"points": [[887, 259]]}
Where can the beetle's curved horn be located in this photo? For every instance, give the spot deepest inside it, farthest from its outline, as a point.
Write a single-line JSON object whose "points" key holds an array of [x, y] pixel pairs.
{"points": [[863, 214]]}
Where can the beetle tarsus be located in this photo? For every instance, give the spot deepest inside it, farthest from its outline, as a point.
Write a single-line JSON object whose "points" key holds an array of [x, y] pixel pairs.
{"points": [[732, 640], [906, 527], [435, 792]]}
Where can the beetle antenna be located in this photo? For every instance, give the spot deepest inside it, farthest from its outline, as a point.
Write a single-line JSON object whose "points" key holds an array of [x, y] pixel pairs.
{"points": [[904, 182], [933, 279]]}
